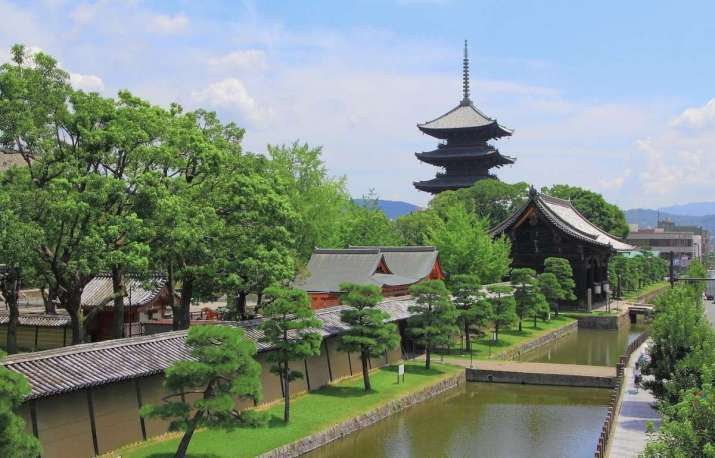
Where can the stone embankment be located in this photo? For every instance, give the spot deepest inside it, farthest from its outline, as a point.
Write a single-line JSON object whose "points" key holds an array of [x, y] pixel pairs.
{"points": [[347, 427], [552, 336], [542, 374]]}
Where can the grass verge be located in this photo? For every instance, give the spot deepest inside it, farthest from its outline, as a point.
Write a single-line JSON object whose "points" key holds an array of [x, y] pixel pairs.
{"points": [[633, 295], [511, 338], [310, 413]]}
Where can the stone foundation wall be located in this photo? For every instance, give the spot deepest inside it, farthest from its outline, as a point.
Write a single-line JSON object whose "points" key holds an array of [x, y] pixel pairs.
{"points": [[605, 322], [538, 342], [347, 427], [485, 375]]}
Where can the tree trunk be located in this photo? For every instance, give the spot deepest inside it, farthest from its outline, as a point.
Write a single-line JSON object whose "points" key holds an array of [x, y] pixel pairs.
{"points": [[535, 316], [365, 371], [184, 444], [259, 301], [172, 295], [48, 299], [467, 341], [76, 323], [286, 405], [182, 316], [519, 324], [427, 356], [241, 305], [118, 290], [11, 291], [496, 331]]}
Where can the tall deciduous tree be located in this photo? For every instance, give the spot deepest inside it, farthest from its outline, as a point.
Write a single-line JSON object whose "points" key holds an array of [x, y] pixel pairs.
{"points": [[434, 315], [369, 334], [15, 442], [465, 247], [503, 307], [491, 200], [290, 327], [223, 370], [593, 206], [529, 300], [367, 224], [415, 228], [474, 309]]}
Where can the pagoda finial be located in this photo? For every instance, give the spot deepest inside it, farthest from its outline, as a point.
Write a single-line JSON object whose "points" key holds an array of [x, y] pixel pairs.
{"points": [[465, 77]]}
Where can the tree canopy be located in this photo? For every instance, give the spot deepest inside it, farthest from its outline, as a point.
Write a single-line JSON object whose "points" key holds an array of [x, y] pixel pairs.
{"points": [[491, 200], [593, 207], [434, 315]]}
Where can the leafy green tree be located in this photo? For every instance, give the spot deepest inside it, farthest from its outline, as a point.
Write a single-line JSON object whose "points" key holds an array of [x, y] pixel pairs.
{"points": [[15, 442], [368, 225], [414, 228], [369, 334], [561, 268], [465, 247], [551, 290], [491, 200], [503, 305], [434, 315], [290, 327], [222, 370], [529, 300], [321, 202], [474, 310], [592, 206]]}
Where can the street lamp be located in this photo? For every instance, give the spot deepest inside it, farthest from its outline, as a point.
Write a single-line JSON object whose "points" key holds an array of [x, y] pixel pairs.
{"points": [[492, 340]]}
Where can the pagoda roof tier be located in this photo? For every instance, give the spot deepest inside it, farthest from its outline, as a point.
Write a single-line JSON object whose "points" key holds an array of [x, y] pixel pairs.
{"points": [[464, 119], [449, 154], [444, 182]]}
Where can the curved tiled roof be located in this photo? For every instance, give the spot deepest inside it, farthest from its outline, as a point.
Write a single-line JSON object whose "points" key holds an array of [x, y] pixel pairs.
{"points": [[414, 262], [61, 370], [562, 214], [464, 116], [38, 319], [139, 292]]}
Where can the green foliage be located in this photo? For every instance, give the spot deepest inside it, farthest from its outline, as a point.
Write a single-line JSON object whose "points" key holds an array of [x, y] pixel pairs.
{"points": [[503, 306], [561, 268], [368, 225], [491, 200], [592, 206], [223, 369], [15, 442], [414, 228], [551, 290], [475, 312], [529, 300], [289, 326], [320, 201], [465, 247], [634, 272], [434, 315], [369, 334]]}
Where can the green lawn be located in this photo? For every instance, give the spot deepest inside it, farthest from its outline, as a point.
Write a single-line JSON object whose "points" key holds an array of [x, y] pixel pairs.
{"points": [[631, 295], [310, 413], [510, 338]]}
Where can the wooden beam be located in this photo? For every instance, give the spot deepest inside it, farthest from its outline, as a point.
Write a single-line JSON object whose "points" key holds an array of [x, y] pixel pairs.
{"points": [[90, 406]]}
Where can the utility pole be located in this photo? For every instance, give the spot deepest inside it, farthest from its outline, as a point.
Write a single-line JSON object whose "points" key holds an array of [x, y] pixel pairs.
{"points": [[672, 271]]}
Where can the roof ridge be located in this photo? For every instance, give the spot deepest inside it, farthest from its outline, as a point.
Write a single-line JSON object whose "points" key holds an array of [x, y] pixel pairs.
{"points": [[395, 248], [352, 250]]}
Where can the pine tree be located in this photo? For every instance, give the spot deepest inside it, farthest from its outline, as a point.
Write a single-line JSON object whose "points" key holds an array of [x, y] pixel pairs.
{"points": [[529, 300], [434, 315], [473, 309], [503, 307], [369, 334]]}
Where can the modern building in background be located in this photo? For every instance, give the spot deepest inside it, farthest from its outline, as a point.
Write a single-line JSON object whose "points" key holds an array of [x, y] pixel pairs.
{"points": [[466, 156], [685, 245]]}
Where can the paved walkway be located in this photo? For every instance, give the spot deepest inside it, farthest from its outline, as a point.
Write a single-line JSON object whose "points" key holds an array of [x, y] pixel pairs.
{"points": [[629, 432], [535, 368]]}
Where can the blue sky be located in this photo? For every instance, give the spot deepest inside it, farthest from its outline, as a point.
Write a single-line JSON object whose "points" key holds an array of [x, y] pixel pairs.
{"points": [[612, 96]]}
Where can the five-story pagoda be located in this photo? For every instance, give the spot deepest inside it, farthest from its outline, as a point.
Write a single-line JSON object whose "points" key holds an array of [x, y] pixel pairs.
{"points": [[466, 156]]}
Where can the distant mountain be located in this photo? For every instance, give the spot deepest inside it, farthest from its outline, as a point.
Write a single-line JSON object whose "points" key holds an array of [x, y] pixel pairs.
{"points": [[692, 209], [392, 208]]}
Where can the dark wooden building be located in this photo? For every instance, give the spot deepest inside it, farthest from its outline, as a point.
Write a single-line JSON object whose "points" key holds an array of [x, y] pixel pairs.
{"points": [[546, 226], [466, 155]]}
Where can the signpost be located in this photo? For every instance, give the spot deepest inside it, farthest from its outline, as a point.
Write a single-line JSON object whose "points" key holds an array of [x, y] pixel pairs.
{"points": [[401, 371]]}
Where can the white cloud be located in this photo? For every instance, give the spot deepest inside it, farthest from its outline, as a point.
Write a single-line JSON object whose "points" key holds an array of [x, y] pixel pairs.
{"points": [[230, 93], [245, 59], [697, 117], [170, 24], [83, 13], [87, 83]]}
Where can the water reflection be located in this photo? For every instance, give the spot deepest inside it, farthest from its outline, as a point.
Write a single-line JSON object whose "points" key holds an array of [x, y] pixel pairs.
{"points": [[595, 347], [490, 420]]}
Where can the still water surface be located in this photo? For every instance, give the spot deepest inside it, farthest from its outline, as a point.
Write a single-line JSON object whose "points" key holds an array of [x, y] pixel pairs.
{"points": [[486, 420], [593, 347]]}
